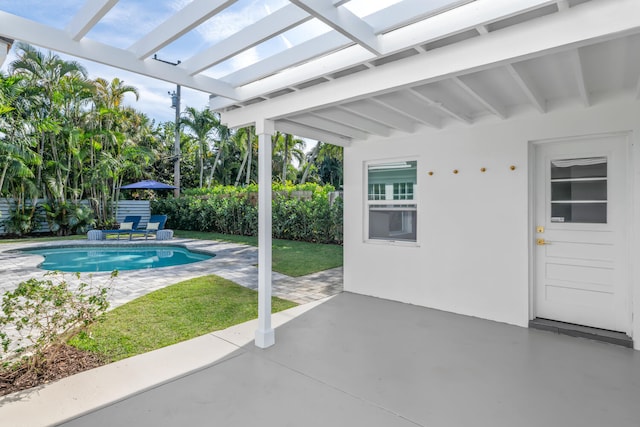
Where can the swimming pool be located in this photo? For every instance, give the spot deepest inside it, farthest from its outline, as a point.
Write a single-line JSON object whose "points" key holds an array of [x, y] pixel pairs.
{"points": [[92, 258]]}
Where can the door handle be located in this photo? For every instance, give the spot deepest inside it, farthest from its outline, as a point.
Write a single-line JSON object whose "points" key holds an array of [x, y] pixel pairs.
{"points": [[542, 242]]}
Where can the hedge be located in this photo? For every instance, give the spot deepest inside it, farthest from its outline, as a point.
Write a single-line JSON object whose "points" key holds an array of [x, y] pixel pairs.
{"points": [[300, 212]]}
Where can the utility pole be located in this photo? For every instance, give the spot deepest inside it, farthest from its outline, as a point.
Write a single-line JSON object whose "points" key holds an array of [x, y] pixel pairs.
{"points": [[175, 103]]}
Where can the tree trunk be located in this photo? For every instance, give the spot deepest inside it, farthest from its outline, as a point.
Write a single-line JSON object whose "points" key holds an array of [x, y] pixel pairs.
{"points": [[250, 153], [215, 163], [314, 155], [244, 161]]}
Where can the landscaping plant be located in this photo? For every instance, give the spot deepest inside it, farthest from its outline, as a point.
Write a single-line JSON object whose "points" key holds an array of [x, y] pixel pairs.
{"points": [[39, 316]]}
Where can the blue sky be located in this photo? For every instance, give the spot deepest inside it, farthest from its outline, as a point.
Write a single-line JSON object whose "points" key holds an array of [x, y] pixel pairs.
{"points": [[129, 20]]}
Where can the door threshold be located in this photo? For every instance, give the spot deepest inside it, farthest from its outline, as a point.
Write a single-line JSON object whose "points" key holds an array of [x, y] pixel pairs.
{"points": [[603, 335]]}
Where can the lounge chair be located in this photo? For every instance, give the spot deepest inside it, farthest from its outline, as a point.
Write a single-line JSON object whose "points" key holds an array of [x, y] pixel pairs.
{"points": [[128, 226], [155, 223]]}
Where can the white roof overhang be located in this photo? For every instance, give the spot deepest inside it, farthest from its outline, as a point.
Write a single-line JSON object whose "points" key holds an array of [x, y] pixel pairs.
{"points": [[409, 65]]}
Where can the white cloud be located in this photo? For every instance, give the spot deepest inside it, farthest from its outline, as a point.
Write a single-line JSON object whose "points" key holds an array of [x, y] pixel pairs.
{"points": [[236, 18]]}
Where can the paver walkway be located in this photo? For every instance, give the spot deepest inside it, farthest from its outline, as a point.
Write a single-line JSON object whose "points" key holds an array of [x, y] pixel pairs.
{"points": [[233, 261]]}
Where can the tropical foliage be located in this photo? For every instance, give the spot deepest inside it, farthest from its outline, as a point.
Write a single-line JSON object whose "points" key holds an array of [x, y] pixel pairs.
{"points": [[66, 138], [300, 212]]}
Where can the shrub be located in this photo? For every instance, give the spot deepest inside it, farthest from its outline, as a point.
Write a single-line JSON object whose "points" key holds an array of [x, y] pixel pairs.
{"points": [[300, 212], [40, 315]]}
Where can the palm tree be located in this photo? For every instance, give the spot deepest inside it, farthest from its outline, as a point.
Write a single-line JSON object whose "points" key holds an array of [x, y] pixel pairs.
{"points": [[111, 94], [224, 134], [203, 124], [327, 161], [45, 74]]}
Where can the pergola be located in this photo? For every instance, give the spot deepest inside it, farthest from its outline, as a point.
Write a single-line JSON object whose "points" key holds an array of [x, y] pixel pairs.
{"points": [[409, 65]]}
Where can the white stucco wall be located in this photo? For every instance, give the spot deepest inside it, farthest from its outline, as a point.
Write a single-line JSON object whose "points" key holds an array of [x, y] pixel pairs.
{"points": [[472, 255]]}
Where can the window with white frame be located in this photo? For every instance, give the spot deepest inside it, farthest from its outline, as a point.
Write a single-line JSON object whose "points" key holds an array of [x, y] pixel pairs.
{"points": [[391, 203]]}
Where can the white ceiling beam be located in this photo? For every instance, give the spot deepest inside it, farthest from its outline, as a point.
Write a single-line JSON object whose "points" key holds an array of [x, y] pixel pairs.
{"points": [[406, 103], [273, 74], [183, 21], [485, 98], [528, 88], [441, 106], [563, 5], [376, 111], [270, 26], [578, 76], [89, 15], [466, 17], [318, 122], [340, 115], [291, 128], [295, 55], [407, 12], [582, 25], [482, 30], [58, 40], [343, 21]]}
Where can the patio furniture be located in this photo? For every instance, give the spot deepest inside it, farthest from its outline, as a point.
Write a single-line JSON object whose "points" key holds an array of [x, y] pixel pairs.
{"points": [[156, 223], [128, 226]]}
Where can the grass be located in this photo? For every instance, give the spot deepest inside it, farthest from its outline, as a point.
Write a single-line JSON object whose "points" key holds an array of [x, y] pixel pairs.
{"points": [[290, 257], [176, 313]]}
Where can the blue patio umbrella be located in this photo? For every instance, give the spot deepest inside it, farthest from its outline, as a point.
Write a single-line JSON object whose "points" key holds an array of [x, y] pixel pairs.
{"points": [[147, 184]]}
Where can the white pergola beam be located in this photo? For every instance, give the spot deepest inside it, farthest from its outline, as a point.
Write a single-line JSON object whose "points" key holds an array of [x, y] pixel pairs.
{"points": [[343, 21], [295, 55], [18, 28], [483, 97], [466, 17], [578, 76], [192, 15], [297, 129], [273, 73], [582, 25], [89, 15], [407, 12], [272, 25], [528, 88]]}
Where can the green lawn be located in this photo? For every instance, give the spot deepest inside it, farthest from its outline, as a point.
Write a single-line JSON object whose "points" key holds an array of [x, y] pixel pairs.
{"points": [[290, 257], [176, 313]]}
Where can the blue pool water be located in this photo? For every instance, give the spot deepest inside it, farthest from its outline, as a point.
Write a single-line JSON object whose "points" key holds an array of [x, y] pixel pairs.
{"points": [[93, 259]]}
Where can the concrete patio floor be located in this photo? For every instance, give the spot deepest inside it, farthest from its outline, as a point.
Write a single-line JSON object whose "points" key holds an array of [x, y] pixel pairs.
{"points": [[356, 360]]}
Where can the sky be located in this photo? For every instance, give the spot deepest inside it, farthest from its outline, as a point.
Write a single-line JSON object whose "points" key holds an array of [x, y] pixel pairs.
{"points": [[122, 26]]}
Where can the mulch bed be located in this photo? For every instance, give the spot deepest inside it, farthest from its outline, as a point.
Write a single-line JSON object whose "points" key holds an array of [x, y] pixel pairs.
{"points": [[62, 363]]}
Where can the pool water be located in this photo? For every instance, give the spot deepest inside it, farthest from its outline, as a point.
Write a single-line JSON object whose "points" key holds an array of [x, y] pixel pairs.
{"points": [[94, 259]]}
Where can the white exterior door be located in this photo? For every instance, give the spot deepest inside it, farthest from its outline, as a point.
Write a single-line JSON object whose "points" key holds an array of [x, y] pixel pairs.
{"points": [[580, 241]]}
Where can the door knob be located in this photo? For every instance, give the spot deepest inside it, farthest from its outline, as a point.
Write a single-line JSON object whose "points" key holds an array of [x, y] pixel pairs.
{"points": [[541, 242]]}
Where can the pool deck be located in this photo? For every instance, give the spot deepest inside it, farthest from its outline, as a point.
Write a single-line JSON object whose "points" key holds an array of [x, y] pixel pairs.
{"points": [[233, 261]]}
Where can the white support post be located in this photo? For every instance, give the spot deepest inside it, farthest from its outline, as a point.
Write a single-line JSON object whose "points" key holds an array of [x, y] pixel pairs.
{"points": [[265, 336]]}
